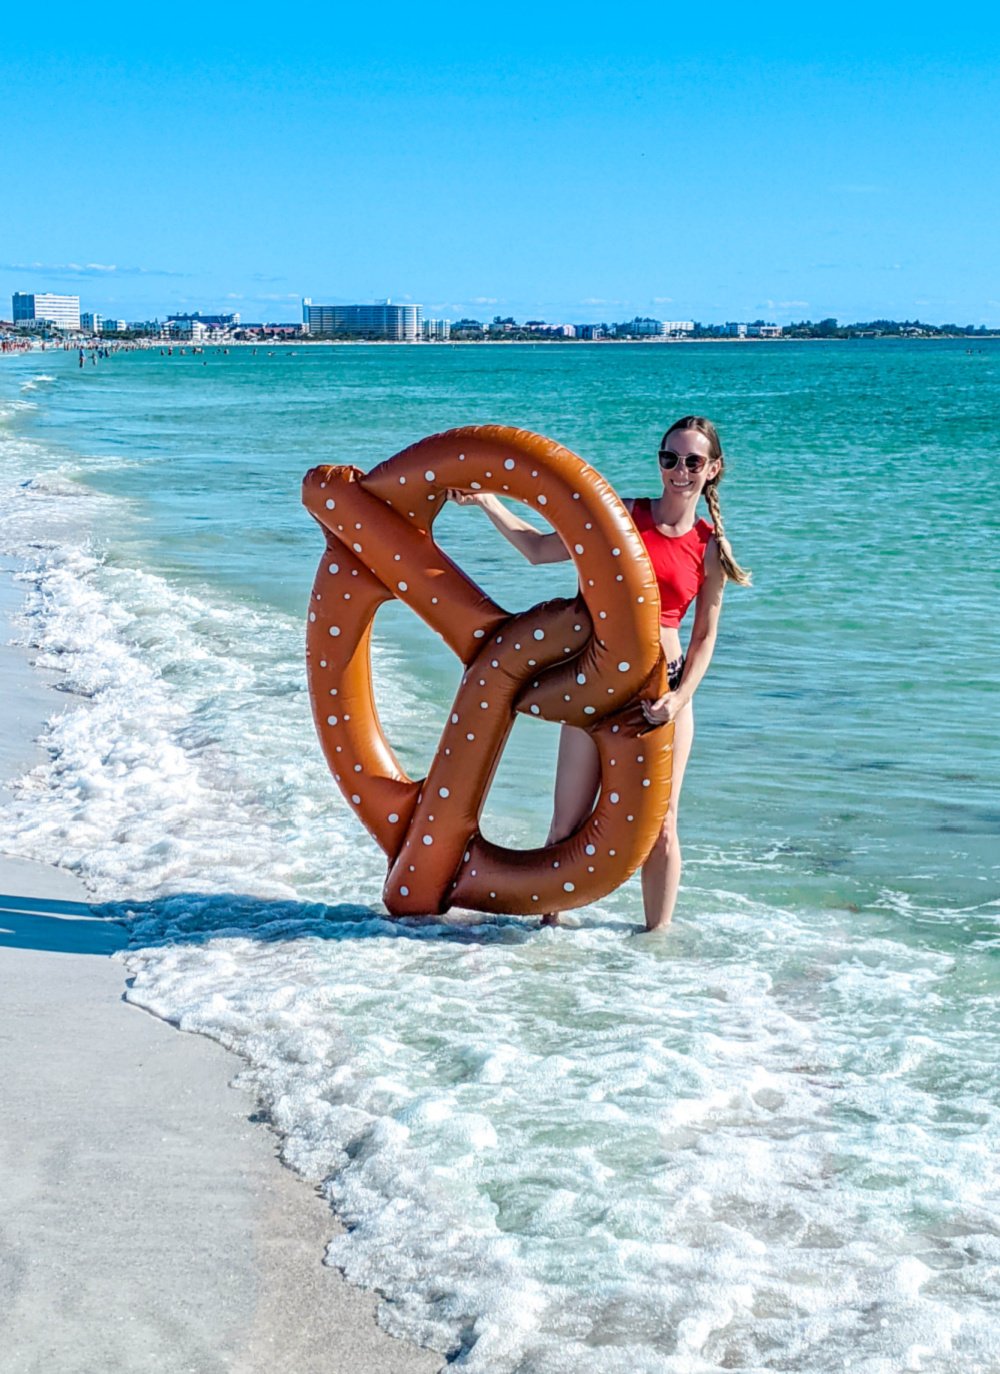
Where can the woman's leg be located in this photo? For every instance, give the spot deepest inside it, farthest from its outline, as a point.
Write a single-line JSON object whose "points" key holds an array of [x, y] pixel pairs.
{"points": [[661, 873], [578, 776]]}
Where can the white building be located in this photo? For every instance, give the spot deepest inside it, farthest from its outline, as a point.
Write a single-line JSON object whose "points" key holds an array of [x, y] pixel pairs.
{"points": [[186, 328], [439, 330], [114, 327], [91, 322], [678, 326], [44, 308], [383, 320]]}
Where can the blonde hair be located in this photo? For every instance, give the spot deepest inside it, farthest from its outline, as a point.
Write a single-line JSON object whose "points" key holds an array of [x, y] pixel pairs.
{"points": [[730, 567]]}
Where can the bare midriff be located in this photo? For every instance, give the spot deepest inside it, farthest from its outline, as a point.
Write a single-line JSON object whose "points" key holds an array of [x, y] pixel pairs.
{"points": [[671, 642]]}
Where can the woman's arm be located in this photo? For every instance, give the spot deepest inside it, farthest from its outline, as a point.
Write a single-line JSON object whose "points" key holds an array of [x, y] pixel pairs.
{"points": [[529, 542], [702, 643]]}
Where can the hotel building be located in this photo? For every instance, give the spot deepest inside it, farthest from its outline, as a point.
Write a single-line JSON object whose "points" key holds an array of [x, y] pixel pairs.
{"points": [[44, 308], [402, 323]]}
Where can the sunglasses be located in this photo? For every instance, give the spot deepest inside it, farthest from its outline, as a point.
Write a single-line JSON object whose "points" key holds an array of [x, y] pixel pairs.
{"points": [[694, 462]]}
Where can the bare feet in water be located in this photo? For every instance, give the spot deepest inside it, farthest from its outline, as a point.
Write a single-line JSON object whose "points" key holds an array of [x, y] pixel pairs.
{"points": [[551, 918]]}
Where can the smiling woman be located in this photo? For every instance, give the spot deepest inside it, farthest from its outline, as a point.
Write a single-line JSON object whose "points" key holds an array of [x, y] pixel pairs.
{"points": [[692, 561]]}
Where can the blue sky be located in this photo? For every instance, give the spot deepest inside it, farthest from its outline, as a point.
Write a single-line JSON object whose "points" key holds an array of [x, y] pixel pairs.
{"points": [[552, 161]]}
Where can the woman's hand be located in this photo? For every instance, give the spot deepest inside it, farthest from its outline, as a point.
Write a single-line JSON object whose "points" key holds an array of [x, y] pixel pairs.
{"points": [[462, 497], [664, 709]]}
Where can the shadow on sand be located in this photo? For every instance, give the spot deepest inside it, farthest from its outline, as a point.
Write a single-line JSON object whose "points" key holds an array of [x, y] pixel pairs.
{"points": [[194, 917]]}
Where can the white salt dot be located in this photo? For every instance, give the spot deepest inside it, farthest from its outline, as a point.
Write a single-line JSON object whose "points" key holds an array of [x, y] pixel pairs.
{"points": [[614, 797], [588, 527], [591, 849], [484, 705], [535, 897], [334, 569], [357, 548], [556, 864], [493, 894], [461, 457], [611, 852], [509, 464], [478, 634], [630, 818], [580, 679], [312, 615], [401, 586], [578, 547], [604, 615], [590, 868], [470, 737], [543, 501], [499, 639], [428, 476], [454, 719], [331, 505], [577, 627], [569, 887], [335, 630], [645, 782], [517, 646], [322, 664], [333, 690], [619, 578], [482, 682], [532, 662], [357, 768], [566, 697], [397, 557], [588, 710], [611, 691], [576, 496], [475, 486], [615, 553], [539, 634], [428, 839], [640, 599], [534, 710], [331, 720], [473, 872], [639, 758], [434, 601], [443, 792], [402, 481], [465, 857], [347, 596], [393, 817], [614, 729], [358, 525], [356, 799], [495, 664], [489, 474], [404, 892], [623, 667]]}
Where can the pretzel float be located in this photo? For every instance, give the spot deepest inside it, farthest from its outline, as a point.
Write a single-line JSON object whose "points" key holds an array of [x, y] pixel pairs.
{"points": [[586, 662]]}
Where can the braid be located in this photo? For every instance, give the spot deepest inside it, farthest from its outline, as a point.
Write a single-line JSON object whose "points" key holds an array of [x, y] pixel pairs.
{"points": [[729, 564]]}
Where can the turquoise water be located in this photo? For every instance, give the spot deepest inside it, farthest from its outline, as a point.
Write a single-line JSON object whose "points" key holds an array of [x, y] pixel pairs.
{"points": [[768, 1137]]}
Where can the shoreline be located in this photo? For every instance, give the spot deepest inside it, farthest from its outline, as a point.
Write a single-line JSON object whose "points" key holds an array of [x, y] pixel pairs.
{"points": [[145, 1207]]}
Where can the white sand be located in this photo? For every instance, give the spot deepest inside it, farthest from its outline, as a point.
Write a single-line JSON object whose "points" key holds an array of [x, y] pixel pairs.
{"points": [[145, 1223]]}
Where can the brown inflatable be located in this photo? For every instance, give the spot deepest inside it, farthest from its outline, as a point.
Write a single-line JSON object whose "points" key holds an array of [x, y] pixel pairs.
{"points": [[586, 662]]}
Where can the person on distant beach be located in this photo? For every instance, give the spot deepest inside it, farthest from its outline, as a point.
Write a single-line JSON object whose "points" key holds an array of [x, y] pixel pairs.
{"points": [[692, 561]]}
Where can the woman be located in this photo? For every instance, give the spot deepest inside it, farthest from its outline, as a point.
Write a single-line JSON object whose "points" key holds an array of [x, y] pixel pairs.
{"points": [[692, 561]]}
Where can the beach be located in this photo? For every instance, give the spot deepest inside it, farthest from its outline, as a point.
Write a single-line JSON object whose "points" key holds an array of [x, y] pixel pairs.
{"points": [[766, 1138], [146, 1221]]}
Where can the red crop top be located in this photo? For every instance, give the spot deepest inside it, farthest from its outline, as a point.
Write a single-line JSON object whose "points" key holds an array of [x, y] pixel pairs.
{"points": [[679, 563]]}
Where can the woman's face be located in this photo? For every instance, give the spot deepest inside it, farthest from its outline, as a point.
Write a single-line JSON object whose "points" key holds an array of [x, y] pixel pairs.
{"points": [[680, 480]]}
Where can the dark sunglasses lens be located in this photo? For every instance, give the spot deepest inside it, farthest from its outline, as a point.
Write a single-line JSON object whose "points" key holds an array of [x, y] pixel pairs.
{"points": [[668, 460], [695, 462]]}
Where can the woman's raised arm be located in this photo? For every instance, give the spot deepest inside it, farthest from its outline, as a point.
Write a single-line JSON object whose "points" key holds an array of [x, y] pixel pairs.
{"points": [[529, 542]]}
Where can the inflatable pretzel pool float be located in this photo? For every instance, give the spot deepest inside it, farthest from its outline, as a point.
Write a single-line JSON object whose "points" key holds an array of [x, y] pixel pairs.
{"points": [[586, 662]]}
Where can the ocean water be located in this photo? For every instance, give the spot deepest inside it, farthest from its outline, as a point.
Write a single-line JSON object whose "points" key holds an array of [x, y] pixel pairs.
{"points": [[767, 1139]]}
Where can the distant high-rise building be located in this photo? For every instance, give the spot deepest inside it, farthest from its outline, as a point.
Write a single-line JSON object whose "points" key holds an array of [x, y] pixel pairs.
{"points": [[113, 327], [439, 330], [381, 321], [91, 321], [62, 311]]}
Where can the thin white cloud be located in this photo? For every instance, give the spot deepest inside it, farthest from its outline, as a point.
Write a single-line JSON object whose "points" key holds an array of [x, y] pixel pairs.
{"points": [[484, 300], [90, 269], [793, 305], [663, 300]]}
